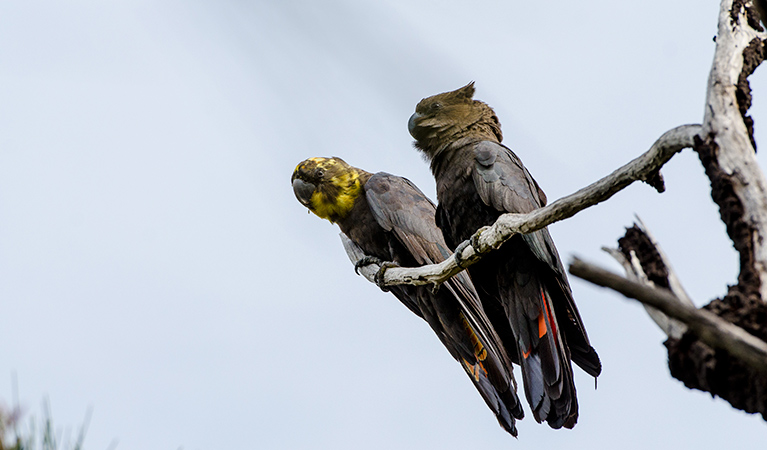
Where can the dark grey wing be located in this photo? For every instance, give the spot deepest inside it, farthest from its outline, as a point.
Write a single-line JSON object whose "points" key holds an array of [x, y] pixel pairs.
{"points": [[454, 312], [503, 182], [401, 208]]}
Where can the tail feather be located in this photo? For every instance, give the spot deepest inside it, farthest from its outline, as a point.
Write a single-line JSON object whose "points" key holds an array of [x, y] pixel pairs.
{"points": [[545, 361], [491, 374], [588, 360], [505, 404], [581, 351], [471, 340]]}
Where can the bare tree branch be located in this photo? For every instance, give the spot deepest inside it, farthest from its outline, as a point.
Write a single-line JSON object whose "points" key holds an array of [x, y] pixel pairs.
{"points": [[710, 329], [645, 167]]}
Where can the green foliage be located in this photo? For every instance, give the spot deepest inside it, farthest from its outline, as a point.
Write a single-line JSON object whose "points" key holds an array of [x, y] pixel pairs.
{"points": [[39, 435]]}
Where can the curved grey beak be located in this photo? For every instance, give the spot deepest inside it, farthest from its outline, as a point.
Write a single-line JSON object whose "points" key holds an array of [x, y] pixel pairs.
{"points": [[303, 191], [411, 124]]}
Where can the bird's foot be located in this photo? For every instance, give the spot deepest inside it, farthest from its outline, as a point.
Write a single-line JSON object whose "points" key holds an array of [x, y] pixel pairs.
{"points": [[379, 276], [459, 251], [366, 261], [473, 242], [475, 238]]}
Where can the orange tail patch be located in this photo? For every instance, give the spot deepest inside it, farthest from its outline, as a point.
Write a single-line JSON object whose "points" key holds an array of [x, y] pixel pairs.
{"points": [[542, 327], [544, 316], [479, 350], [475, 369]]}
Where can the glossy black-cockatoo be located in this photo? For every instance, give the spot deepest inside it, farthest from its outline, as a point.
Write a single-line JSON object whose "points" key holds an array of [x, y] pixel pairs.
{"points": [[390, 219], [522, 285]]}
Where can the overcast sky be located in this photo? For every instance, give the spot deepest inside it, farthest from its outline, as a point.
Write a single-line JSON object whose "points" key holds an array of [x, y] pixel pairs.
{"points": [[155, 265]]}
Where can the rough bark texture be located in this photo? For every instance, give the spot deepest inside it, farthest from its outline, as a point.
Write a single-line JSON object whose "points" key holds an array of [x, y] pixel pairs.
{"points": [[653, 269], [753, 55], [725, 146], [751, 11], [651, 261], [696, 364], [715, 371], [731, 212]]}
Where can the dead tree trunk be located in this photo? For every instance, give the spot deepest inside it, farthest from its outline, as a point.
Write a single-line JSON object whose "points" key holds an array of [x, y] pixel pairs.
{"points": [[727, 150]]}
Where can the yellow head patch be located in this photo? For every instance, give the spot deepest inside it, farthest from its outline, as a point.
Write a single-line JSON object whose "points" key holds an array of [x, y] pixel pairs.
{"points": [[336, 186]]}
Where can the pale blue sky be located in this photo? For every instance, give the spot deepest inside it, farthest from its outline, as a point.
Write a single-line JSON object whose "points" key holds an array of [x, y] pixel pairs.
{"points": [[155, 265]]}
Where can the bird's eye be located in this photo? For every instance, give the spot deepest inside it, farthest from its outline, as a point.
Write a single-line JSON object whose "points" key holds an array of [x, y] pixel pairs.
{"points": [[320, 173], [436, 106]]}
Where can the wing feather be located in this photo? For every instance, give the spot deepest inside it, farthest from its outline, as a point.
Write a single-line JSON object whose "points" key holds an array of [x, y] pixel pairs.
{"points": [[503, 182], [402, 209]]}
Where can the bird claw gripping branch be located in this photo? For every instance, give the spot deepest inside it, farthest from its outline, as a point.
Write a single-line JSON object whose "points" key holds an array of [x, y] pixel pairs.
{"points": [[379, 276], [473, 242], [459, 251], [475, 238], [366, 261]]}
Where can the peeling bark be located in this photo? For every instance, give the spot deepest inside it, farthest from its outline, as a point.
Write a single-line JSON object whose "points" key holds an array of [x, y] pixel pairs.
{"points": [[700, 367], [710, 328]]}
